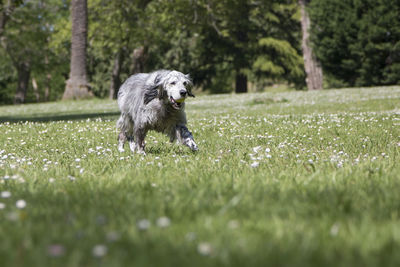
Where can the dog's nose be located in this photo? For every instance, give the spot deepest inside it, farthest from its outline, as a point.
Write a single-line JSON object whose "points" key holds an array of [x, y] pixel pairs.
{"points": [[183, 93]]}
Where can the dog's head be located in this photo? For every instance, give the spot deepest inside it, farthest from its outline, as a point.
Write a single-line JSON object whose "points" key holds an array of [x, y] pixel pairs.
{"points": [[173, 87]]}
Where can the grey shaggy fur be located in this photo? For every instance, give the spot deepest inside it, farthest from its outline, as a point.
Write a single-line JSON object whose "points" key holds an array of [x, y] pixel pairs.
{"points": [[154, 101]]}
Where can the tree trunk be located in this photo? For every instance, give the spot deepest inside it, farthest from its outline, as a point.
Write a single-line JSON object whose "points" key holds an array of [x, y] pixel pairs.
{"points": [[35, 89], [241, 83], [138, 60], [77, 86], [115, 79], [47, 81], [312, 66], [24, 72]]}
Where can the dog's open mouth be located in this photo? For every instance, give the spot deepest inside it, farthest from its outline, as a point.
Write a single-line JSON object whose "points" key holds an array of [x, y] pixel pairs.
{"points": [[175, 105]]}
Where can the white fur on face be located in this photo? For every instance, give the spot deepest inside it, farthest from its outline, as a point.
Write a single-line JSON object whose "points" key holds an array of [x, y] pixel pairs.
{"points": [[175, 83]]}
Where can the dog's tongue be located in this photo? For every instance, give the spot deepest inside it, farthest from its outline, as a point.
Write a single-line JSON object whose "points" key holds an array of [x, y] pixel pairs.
{"points": [[175, 103]]}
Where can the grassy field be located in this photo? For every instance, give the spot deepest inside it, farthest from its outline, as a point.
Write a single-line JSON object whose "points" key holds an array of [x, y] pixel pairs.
{"points": [[281, 179]]}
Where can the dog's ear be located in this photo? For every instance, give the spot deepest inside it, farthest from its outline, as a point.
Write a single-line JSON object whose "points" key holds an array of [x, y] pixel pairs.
{"points": [[159, 85], [154, 90], [149, 94], [189, 86]]}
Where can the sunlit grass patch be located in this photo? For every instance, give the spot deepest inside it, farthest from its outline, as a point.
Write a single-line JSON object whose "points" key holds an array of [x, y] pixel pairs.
{"points": [[310, 181]]}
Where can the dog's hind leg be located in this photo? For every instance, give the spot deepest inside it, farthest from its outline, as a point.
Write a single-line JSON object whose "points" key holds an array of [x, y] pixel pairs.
{"points": [[126, 125], [121, 141]]}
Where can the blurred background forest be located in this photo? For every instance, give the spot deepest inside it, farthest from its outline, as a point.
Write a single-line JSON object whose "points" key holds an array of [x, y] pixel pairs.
{"points": [[224, 44]]}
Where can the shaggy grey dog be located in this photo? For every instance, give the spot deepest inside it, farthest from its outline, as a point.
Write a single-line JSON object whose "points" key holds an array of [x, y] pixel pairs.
{"points": [[154, 101]]}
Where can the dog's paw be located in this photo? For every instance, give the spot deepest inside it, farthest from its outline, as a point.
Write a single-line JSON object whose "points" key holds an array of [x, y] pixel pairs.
{"points": [[191, 144], [132, 146], [121, 146], [141, 152]]}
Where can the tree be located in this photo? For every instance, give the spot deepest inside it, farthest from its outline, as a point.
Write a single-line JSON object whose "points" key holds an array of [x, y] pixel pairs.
{"points": [[118, 40], [219, 40], [312, 67], [23, 68], [24, 27], [247, 36], [77, 86], [5, 12], [357, 42]]}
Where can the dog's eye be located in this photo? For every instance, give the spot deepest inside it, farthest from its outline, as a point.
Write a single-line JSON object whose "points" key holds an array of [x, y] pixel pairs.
{"points": [[172, 83], [184, 83]]}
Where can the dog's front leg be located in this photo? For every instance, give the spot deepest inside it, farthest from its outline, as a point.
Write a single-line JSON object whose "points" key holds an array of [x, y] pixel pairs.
{"points": [[132, 144], [185, 137]]}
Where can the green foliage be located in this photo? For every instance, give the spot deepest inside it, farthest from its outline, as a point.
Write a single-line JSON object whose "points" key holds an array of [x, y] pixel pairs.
{"points": [[357, 41], [7, 82], [325, 191], [29, 37], [279, 60], [211, 40]]}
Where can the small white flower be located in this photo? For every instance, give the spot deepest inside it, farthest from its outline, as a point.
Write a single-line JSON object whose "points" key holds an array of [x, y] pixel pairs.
{"points": [[52, 180], [5, 194], [255, 149], [267, 150], [143, 224], [334, 229], [99, 251], [268, 156], [255, 164], [163, 222], [20, 204], [77, 160], [2, 206], [204, 248]]}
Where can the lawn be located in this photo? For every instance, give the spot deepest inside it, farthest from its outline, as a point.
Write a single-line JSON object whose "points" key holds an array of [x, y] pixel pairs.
{"points": [[280, 179]]}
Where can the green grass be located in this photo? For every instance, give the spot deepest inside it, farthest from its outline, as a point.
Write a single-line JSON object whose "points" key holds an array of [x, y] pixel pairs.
{"points": [[281, 179]]}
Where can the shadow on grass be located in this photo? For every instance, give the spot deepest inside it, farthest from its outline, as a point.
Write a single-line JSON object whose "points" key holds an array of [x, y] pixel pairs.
{"points": [[53, 117]]}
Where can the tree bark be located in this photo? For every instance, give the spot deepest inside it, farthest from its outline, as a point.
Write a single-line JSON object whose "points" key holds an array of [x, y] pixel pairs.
{"points": [[24, 71], [138, 59], [48, 79], [47, 88], [241, 83], [115, 79], [35, 89], [77, 86], [312, 66]]}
